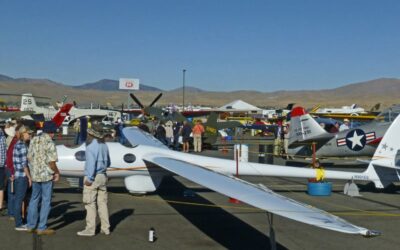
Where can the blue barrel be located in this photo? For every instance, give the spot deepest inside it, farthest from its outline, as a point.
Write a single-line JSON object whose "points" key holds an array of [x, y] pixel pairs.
{"points": [[319, 188]]}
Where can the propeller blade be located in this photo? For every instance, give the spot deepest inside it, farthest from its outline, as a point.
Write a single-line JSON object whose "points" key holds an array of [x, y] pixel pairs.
{"points": [[290, 106], [155, 100], [136, 100]]}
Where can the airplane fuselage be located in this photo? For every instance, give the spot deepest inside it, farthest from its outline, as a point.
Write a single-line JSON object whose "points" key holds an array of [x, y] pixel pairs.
{"points": [[349, 143], [127, 161]]}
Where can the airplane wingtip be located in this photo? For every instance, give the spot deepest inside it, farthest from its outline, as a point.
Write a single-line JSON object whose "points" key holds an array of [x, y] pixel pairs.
{"points": [[371, 233]]}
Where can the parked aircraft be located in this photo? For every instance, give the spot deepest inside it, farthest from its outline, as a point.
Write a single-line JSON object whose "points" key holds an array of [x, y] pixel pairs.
{"points": [[353, 109], [143, 166], [347, 112], [28, 103], [211, 127], [58, 117], [359, 141]]}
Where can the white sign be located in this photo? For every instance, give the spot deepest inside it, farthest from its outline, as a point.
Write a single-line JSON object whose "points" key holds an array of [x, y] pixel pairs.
{"points": [[127, 83]]}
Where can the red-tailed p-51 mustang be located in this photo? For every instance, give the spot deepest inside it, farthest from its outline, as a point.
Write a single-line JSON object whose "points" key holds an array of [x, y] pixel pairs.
{"points": [[360, 141]]}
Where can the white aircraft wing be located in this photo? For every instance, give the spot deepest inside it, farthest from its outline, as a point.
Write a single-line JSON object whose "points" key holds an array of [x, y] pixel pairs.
{"points": [[136, 136], [251, 194]]}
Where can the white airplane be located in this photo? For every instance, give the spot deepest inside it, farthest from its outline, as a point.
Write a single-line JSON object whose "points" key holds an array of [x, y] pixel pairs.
{"points": [[28, 103], [353, 110], [145, 164]]}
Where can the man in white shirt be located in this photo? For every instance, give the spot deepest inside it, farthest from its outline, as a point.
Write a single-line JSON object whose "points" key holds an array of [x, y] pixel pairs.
{"points": [[345, 125]]}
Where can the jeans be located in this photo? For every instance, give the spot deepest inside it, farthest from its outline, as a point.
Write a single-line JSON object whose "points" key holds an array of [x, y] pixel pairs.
{"points": [[10, 196], [20, 187], [41, 191]]}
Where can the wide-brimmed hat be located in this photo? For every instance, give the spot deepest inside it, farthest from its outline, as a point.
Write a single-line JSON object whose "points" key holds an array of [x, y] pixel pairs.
{"points": [[10, 131], [98, 131], [49, 127], [24, 129], [346, 120]]}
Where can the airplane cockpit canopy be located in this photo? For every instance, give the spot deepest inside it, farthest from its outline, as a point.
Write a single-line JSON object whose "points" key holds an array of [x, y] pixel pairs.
{"points": [[388, 115]]}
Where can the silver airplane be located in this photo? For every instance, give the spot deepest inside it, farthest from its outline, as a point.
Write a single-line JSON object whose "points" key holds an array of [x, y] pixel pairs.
{"points": [[354, 142]]}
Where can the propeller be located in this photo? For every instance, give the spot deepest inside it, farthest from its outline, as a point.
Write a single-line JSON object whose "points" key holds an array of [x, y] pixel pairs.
{"points": [[155, 100], [141, 105], [149, 109], [136, 100]]}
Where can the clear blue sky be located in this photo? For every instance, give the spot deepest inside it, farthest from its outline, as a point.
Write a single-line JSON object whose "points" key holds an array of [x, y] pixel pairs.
{"points": [[224, 45]]}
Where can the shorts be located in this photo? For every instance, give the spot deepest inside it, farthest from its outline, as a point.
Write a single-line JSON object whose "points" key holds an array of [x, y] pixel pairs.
{"points": [[2, 178], [186, 139]]}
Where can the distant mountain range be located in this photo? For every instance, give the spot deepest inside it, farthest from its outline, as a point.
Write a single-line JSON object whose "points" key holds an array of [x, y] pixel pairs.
{"points": [[366, 94], [111, 85]]}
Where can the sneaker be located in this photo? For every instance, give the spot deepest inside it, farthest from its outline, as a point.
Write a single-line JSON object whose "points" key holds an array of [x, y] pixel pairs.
{"points": [[85, 233], [46, 232], [105, 232], [21, 228]]}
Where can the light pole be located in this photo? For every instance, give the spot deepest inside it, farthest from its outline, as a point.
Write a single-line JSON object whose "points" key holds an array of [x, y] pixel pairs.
{"points": [[183, 89]]}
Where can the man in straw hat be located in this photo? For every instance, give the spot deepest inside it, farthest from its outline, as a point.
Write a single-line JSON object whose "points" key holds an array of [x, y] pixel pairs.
{"points": [[42, 156], [95, 182], [345, 125]]}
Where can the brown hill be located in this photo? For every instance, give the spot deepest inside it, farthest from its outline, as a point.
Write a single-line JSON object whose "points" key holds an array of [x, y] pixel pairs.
{"points": [[385, 91]]}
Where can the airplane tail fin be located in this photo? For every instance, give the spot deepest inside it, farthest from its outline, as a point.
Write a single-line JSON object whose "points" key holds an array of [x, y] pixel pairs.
{"points": [[384, 168], [314, 109], [376, 107], [303, 127], [28, 102], [59, 118]]}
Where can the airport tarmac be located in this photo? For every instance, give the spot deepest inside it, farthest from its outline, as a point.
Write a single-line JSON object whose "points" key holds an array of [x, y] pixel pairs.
{"points": [[208, 220]]}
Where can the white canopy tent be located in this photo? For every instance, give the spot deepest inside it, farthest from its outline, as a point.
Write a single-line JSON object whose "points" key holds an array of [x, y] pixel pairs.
{"points": [[239, 106]]}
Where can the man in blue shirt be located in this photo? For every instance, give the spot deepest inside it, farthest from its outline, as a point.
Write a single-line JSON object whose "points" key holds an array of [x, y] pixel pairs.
{"points": [[95, 183]]}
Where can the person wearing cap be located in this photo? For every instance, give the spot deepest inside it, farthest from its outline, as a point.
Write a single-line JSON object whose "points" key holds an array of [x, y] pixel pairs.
{"points": [[3, 152], [42, 157], [95, 182], [22, 177], [345, 125]]}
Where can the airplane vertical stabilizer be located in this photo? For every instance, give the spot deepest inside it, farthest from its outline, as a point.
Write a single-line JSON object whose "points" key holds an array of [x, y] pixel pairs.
{"points": [[304, 128], [385, 164], [59, 118], [28, 102]]}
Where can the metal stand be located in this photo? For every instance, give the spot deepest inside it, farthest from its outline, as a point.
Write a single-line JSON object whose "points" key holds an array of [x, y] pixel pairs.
{"points": [[351, 189], [271, 231]]}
